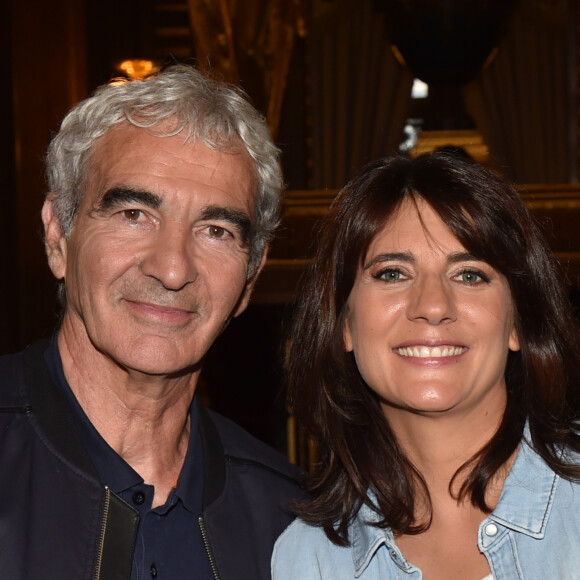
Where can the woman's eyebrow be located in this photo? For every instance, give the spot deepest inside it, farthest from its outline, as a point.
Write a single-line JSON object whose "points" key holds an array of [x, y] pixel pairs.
{"points": [[117, 196], [408, 257], [462, 257], [390, 257]]}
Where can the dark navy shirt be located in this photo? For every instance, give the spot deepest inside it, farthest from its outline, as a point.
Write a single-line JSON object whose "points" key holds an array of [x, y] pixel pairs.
{"points": [[169, 542]]}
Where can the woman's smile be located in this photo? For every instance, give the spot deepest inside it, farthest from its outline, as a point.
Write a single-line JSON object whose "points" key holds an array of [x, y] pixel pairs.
{"points": [[443, 351]]}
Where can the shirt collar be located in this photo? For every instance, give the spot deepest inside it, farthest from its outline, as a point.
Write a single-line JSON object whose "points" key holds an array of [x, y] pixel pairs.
{"points": [[366, 539], [527, 495], [190, 483]]}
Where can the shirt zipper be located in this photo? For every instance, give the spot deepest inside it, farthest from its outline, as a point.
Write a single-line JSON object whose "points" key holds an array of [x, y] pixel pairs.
{"points": [[102, 530], [212, 563]]}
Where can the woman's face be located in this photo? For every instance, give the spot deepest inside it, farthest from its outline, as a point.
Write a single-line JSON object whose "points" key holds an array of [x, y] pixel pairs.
{"points": [[430, 326]]}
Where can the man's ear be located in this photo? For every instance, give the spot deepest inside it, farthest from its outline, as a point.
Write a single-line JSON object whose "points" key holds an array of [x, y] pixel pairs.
{"points": [[245, 297], [54, 239]]}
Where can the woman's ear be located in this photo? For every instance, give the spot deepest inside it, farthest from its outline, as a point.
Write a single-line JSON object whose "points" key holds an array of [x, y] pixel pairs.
{"points": [[514, 340], [347, 336]]}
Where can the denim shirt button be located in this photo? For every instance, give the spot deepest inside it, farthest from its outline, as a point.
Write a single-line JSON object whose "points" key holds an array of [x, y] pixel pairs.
{"points": [[491, 530]]}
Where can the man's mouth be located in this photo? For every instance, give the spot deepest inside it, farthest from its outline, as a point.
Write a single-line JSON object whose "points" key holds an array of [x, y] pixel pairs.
{"points": [[158, 310], [163, 308], [431, 351]]}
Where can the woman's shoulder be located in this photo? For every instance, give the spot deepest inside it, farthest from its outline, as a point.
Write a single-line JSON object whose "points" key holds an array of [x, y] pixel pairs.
{"points": [[303, 552], [303, 536]]}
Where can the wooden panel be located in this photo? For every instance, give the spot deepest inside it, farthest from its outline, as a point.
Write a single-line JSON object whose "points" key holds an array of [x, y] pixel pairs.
{"points": [[290, 252], [557, 208]]}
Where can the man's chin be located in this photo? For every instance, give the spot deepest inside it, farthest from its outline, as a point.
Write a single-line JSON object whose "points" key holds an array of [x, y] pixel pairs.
{"points": [[157, 356]]}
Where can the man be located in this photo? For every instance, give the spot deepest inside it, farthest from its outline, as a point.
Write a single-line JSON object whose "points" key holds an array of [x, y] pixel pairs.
{"points": [[163, 195]]}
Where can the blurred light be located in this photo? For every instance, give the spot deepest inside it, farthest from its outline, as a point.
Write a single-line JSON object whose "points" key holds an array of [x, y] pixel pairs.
{"points": [[137, 68], [420, 90], [411, 133]]}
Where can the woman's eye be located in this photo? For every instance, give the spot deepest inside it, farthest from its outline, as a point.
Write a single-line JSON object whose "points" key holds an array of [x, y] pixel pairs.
{"points": [[389, 275], [471, 277]]}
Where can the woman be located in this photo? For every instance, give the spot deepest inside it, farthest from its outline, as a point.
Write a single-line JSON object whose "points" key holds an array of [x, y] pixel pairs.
{"points": [[435, 364]]}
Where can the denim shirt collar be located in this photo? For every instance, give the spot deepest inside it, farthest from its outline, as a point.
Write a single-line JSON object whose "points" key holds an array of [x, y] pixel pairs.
{"points": [[527, 495], [524, 506], [367, 539]]}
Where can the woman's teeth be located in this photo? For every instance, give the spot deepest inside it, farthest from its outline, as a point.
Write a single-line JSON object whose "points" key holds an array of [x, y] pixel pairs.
{"points": [[430, 351]]}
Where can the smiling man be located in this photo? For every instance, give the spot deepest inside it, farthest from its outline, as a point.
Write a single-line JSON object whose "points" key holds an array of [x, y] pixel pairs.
{"points": [[163, 195]]}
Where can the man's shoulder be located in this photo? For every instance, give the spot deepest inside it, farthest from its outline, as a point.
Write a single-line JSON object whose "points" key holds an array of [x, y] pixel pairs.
{"points": [[23, 372], [248, 496], [242, 447], [11, 364], [12, 391]]}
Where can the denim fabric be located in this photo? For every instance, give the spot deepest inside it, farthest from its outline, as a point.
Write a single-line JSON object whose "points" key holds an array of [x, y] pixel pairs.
{"points": [[533, 534]]}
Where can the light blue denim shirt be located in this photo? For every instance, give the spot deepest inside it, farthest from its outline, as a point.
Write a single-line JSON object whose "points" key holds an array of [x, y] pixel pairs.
{"points": [[533, 534]]}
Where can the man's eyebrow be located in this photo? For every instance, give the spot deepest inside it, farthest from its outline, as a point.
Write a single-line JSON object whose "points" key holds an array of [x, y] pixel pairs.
{"points": [[239, 219], [117, 196], [390, 257]]}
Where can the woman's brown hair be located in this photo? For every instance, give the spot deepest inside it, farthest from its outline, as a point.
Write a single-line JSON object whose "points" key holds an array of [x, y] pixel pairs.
{"points": [[357, 450]]}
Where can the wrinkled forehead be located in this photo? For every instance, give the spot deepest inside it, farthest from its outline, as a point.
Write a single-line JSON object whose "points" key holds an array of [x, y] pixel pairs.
{"points": [[127, 131], [126, 140]]}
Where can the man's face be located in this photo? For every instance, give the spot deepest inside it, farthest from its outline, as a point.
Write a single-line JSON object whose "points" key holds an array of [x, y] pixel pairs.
{"points": [[156, 263]]}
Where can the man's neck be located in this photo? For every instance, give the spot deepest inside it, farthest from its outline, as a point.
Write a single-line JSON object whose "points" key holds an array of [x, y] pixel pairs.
{"points": [[145, 419]]}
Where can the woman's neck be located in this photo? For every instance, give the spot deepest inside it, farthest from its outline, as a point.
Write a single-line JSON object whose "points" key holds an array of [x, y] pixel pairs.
{"points": [[438, 445]]}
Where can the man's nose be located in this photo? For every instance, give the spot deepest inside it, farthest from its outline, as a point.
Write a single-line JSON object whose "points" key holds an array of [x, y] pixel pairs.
{"points": [[170, 257], [432, 300]]}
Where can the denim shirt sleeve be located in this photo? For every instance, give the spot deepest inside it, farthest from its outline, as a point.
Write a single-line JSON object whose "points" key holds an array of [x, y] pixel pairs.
{"points": [[303, 552]]}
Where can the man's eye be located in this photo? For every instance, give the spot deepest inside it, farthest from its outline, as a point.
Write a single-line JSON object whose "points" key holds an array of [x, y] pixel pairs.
{"points": [[217, 232], [132, 215]]}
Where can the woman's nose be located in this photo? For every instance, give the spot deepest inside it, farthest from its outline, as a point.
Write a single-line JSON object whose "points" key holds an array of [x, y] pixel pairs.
{"points": [[432, 301]]}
